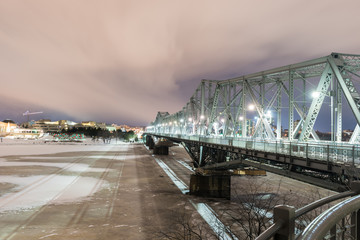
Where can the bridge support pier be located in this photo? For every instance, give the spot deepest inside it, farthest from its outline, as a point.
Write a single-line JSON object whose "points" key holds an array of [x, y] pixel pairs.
{"points": [[161, 150], [149, 142], [217, 186]]}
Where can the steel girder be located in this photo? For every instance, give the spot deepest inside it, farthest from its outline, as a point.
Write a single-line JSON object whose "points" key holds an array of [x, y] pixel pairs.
{"points": [[316, 104], [280, 98]]}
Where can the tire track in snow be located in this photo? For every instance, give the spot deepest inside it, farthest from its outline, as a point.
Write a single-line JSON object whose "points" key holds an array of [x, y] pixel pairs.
{"points": [[31, 186], [80, 213], [49, 202]]}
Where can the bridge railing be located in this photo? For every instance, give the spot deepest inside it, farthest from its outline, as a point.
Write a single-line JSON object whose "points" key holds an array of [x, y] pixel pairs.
{"points": [[325, 151], [341, 221]]}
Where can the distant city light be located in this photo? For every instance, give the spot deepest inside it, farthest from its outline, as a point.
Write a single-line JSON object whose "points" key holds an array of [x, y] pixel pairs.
{"points": [[251, 107], [222, 120], [190, 119], [181, 120], [241, 118], [202, 117]]}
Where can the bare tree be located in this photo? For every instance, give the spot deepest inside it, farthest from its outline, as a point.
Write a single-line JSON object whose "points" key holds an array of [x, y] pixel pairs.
{"points": [[247, 214], [250, 210], [253, 199], [185, 226]]}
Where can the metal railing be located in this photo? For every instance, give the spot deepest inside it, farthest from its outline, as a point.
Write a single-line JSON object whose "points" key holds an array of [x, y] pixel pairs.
{"points": [[341, 221], [325, 151]]}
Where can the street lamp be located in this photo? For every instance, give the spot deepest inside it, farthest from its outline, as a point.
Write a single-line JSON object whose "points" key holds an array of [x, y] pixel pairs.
{"points": [[315, 94]]}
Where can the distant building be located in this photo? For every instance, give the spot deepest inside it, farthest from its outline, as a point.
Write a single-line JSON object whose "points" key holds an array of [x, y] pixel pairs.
{"points": [[26, 133], [66, 124], [91, 124], [111, 128], [11, 130], [47, 126], [6, 127]]}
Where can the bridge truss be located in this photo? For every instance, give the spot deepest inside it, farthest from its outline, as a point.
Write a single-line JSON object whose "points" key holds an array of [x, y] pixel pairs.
{"points": [[285, 105]]}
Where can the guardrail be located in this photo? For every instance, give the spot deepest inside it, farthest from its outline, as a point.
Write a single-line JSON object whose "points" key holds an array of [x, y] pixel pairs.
{"points": [[341, 221], [325, 151]]}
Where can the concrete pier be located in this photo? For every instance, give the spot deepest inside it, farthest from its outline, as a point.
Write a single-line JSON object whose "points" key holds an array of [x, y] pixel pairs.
{"points": [[149, 142], [161, 150], [217, 186]]}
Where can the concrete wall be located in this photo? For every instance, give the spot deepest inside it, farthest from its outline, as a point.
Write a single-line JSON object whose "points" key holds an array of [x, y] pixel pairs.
{"points": [[210, 186], [161, 150]]}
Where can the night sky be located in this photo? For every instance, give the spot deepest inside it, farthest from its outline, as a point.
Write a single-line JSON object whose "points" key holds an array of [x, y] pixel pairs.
{"points": [[121, 62]]}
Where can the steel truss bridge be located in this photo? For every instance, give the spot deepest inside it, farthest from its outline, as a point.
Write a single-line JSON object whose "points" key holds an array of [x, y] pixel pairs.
{"points": [[269, 120]]}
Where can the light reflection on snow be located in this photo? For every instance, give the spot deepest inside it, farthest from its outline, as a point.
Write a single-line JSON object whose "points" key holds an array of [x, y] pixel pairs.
{"points": [[74, 167], [39, 190], [35, 149]]}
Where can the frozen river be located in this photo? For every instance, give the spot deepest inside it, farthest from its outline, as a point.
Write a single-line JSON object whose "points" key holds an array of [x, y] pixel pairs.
{"points": [[104, 191]]}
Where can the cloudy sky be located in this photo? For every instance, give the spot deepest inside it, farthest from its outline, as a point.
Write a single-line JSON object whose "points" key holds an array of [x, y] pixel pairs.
{"points": [[120, 61]]}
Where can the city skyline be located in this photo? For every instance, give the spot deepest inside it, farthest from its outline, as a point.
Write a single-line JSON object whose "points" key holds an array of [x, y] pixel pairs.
{"points": [[122, 61]]}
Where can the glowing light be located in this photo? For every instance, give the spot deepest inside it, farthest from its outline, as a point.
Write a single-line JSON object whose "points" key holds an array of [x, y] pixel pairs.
{"points": [[202, 117], [241, 118], [222, 120], [181, 120], [315, 94], [190, 119], [251, 107]]}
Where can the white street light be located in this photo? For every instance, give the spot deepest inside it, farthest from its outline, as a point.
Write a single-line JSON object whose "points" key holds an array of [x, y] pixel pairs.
{"points": [[315, 94], [251, 107]]}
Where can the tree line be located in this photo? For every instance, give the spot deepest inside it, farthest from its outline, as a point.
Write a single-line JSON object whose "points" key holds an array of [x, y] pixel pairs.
{"points": [[99, 133]]}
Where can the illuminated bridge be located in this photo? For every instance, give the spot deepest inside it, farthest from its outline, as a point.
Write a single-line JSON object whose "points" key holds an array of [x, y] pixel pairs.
{"points": [[300, 120]]}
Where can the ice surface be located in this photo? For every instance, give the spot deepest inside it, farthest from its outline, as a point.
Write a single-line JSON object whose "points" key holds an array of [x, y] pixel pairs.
{"points": [[37, 190]]}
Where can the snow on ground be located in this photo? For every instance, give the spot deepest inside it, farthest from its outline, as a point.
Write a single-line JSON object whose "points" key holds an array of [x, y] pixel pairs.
{"points": [[35, 190], [33, 147]]}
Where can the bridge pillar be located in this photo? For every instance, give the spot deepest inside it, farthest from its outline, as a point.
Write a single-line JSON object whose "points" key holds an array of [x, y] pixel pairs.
{"points": [[149, 142], [161, 150], [210, 186]]}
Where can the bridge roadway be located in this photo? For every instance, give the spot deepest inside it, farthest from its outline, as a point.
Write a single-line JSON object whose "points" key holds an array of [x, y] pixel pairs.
{"points": [[333, 161]]}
